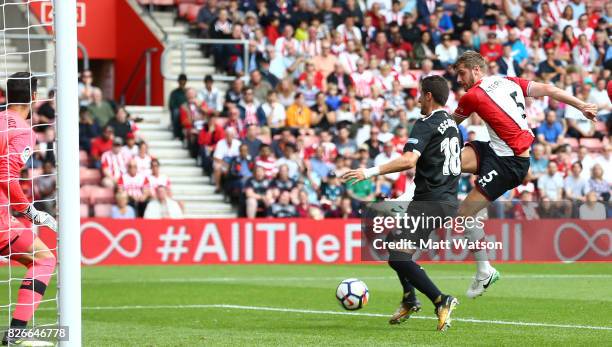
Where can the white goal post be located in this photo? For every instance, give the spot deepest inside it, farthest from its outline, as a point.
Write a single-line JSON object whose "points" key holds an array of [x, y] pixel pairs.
{"points": [[69, 235]]}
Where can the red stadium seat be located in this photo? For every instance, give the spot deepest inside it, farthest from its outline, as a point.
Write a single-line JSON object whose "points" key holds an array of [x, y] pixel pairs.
{"points": [[103, 210], [593, 145], [90, 176], [192, 13], [221, 122], [83, 158], [101, 195], [85, 194], [601, 127], [84, 210]]}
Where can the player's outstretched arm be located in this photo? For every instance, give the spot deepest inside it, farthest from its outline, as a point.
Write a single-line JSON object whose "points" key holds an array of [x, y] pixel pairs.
{"points": [[537, 89], [407, 161]]}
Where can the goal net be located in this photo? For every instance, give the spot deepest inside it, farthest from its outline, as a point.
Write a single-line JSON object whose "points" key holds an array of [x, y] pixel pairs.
{"points": [[29, 42]]}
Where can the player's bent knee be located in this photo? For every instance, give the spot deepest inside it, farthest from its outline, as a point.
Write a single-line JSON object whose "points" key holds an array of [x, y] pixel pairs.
{"points": [[469, 161]]}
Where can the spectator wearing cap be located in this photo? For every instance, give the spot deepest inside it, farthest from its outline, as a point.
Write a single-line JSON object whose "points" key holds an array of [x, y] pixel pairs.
{"points": [[177, 99], [345, 116], [584, 54], [508, 66], [102, 144], [492, 49], [332, 192], [163, 206], [299, 114], [446, 51], [88, 130], [113, 163], [211, 95]]}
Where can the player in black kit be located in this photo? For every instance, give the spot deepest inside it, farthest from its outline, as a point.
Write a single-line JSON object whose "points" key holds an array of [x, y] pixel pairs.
{"points": [[434, 147]]}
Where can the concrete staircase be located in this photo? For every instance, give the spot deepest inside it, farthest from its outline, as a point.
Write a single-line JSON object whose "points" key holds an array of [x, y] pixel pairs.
{"points": [[188, 183]]}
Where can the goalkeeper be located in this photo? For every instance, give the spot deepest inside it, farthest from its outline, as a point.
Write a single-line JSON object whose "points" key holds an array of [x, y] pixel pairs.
{"points": [[17, 239]]}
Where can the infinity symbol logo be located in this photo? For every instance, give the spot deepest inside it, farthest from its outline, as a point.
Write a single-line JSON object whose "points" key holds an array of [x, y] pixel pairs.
{"points": [[114, 243], [590, 241]]}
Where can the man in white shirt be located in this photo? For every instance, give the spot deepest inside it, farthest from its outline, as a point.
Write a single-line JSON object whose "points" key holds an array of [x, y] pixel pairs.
{"points": [[211, 95], [599, 96], [575, 187], [551, 184], [163, 207], [225, 150], [388, 154], [592, 209], [446, 51]]}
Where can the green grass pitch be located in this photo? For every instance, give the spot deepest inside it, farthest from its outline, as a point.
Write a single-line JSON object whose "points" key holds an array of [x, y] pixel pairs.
{"points": [[294, 305]]}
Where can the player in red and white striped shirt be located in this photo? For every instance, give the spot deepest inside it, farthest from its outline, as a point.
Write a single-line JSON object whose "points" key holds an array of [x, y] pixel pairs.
{"points": [[502, 163], [136, 185]]}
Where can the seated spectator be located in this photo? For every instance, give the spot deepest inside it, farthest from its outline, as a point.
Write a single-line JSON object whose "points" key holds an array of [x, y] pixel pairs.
{"points": [[526, 209], [345, 145], [136, 185], [332, 191], [143, 159], [113, 164], [273, 112], [130, 150], [120, 124], [299, 115], [240, 170], [46, 113], [575, 187], [46, 146], [256, 193], [551, 69], [424, 49], [577, 125], [539, 162], [121, 210], [584, 54], [100, 109], [317, 164], [303, 205], [326, 61], [283, 182], [210, 95], [283, 207], [598, 185], [192, 114], [388, 154], [163, 206], [208, 138], [266, 160], [261, 88], [248, 109], [102, 144], [225, 150], [291, 160], [592, 209], [492, 49], [508, 66], [553, 209], [551, 184], [156, 179], [88, 130], [550, 132], [446, 51], [86, 88], [177, 99], [44, 189], [599, 96], [340, 78]]}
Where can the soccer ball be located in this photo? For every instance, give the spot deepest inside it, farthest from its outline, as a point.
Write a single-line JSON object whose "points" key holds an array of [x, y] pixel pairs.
{"points": [[352, 294]]}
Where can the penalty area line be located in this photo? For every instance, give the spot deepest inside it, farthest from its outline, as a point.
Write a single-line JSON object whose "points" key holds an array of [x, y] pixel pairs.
{"points": [[338, 313]]}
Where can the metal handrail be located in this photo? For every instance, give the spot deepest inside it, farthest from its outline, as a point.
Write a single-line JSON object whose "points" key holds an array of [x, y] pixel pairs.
{"points": [[146, 57], [41, 37], [181, 43], [152, 18]]}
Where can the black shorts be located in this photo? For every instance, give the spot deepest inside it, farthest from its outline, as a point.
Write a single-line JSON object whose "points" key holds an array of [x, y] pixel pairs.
{"points": [[497, 175], [433, 214]]}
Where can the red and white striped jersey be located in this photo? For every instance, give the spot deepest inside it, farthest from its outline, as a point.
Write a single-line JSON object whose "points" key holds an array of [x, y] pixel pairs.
{"points": [[143, 164], [500, 102], [363, 83], [348, 61], [115, 163], [269, 166], [133, 185], [157, 181]]}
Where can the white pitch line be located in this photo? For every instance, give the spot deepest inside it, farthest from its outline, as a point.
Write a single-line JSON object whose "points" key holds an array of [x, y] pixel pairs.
{"points": [[328, 278], [338, 313]]}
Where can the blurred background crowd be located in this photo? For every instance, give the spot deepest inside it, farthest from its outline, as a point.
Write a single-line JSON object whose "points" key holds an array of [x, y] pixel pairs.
{"points": [[332, 85]]}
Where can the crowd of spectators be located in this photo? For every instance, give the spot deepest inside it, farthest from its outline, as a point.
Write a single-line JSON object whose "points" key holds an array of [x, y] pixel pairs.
{"points": [[331, 85]]}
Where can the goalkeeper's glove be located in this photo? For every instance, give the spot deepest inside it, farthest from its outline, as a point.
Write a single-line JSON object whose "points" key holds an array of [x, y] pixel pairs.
{"points": [[40, 218]]}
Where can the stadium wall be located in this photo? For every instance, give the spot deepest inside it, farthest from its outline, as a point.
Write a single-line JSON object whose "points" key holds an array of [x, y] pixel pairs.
{"points": [[303, 241]]}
